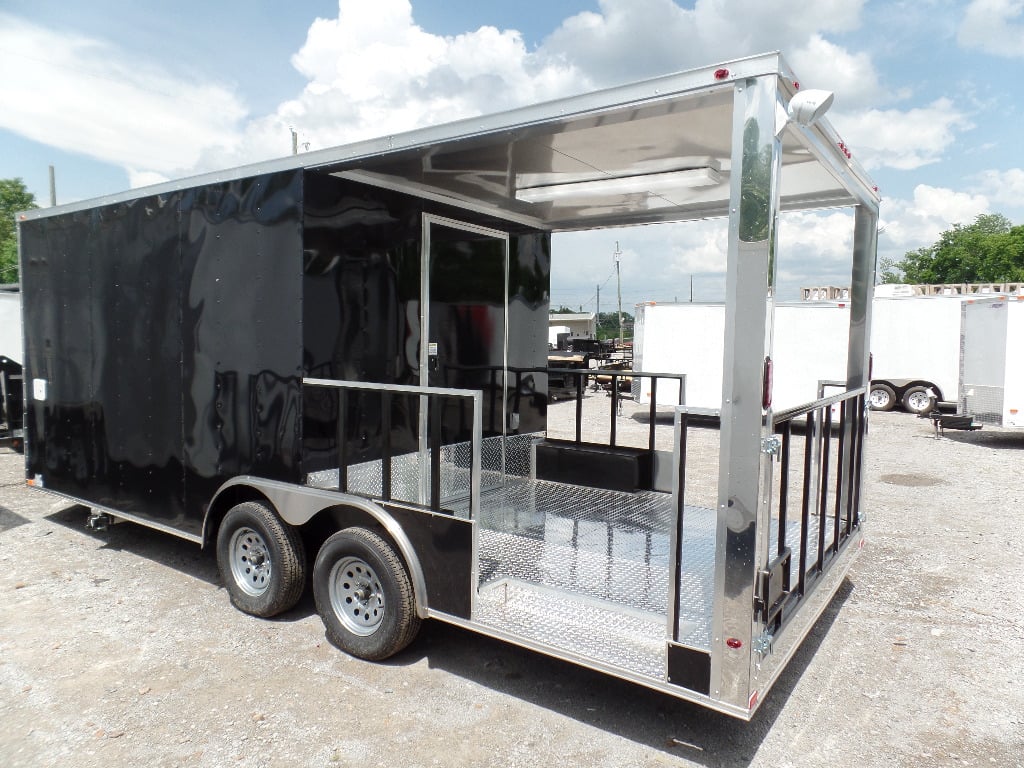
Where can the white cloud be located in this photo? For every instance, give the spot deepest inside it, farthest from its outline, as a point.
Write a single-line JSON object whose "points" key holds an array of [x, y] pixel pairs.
{"points": [[85, 96], [851, 76], [903, 139], [1005, 188], [632, 39], [372, 71], [911, 224], [995, 27]]}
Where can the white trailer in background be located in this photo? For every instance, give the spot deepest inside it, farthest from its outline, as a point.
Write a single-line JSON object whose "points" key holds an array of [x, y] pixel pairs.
{"points": [[915, 350], [992, 375], [915, 347], [11, 357], [810, 346], [10, 324]]}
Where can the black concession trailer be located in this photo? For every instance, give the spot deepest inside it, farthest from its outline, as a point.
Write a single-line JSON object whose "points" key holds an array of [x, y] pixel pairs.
{"points": [[336, 364]]}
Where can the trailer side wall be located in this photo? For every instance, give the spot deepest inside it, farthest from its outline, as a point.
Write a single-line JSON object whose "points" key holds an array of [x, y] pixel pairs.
{"points": [[163, 341]]}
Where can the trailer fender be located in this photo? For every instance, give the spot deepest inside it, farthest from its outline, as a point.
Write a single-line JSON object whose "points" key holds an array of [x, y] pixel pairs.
{"points": [[298, 504]]}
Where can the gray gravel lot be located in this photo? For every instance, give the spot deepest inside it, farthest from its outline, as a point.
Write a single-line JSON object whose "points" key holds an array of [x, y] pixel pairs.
{"points": [[121, 648]]}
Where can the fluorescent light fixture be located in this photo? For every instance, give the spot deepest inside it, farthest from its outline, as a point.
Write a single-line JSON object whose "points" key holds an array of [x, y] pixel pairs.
{"points": [[652, 183]]}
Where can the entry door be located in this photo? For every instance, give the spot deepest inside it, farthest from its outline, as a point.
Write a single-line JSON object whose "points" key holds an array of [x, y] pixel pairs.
{"points": [[465, 325]]}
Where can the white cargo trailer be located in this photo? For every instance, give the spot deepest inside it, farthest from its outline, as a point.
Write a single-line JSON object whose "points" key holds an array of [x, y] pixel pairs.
{"points": [[810, 346], [992, 373], [915, 347], [10, 324], [11, 356]]}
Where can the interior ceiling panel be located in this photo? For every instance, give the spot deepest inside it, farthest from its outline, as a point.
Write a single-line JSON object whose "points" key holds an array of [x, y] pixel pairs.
{"points": [[661, 160]]}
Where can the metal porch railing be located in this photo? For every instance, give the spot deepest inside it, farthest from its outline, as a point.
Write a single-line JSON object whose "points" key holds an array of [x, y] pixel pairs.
{"points": [[426, 431]]}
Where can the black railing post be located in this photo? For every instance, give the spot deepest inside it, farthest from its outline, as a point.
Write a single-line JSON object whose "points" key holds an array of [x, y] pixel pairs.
{"points": [[826, 450], [840, 458], [653, 413], [805, 504], [615, 404], [787, 429], [579, 410], [852, 511]]}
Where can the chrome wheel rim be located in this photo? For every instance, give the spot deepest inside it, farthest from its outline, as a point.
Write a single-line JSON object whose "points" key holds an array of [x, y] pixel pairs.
{"points": [[919, 401], [357, 596], [250, 561], [879, 398]]}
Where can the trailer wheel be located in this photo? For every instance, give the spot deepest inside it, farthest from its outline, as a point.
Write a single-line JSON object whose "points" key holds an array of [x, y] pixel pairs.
{"points": [[918, 400], [882, 397], [261, 560], [364, 595]]}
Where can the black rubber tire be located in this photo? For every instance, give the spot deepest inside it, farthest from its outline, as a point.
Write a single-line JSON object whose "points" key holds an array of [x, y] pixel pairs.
{"points": [[914, 403], [282, 566], [882, 390], [391, 592]]}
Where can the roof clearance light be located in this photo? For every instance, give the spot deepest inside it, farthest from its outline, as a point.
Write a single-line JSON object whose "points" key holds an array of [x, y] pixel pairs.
{"points": [[721, 74]]}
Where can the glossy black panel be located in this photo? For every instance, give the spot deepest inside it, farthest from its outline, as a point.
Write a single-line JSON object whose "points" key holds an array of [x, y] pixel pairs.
{"points": [[168, 333], [242, 346], [467, 322], [361, 312], [689, 668], [101, 306], [444, 546], [529, 282]]}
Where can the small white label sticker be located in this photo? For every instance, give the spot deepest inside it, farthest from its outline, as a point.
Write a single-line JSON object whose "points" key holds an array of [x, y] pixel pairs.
{"points": [[432, 349], [39, 390]]}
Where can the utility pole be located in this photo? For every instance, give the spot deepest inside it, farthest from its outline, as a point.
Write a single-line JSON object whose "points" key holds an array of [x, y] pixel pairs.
{"points": [[618, 280], [597, 330], [295, 141], [53, 188]]}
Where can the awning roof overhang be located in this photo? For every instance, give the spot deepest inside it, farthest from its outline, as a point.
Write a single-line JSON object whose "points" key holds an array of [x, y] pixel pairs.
{"points": [[653, 151]]}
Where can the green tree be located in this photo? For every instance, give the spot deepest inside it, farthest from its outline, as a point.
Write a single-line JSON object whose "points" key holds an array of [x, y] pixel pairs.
{"points": [[14, 197], [991, 250]]}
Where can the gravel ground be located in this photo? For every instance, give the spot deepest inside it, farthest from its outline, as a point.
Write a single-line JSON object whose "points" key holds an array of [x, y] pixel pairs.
{"points": [[121, 648]]}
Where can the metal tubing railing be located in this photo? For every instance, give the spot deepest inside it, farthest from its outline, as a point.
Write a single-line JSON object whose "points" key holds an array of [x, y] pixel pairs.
{"points": [[615, 375], [434, 399], [787, 433], [822, 500], [840, 496], [825, 453], [677, 531]]}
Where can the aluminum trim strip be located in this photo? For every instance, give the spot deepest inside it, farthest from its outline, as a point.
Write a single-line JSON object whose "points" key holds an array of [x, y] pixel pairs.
{"points": [[410, 389], [196, 539], [582, 661], [661, 88]]}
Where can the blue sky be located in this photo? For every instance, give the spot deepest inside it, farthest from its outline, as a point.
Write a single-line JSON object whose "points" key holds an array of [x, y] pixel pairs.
{"points": [[120, 94]]}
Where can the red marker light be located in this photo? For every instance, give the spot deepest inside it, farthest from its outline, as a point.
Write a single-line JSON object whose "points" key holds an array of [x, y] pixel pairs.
{"points": [[766, 385], [734, 642], [721, 74], [796, 86]]}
